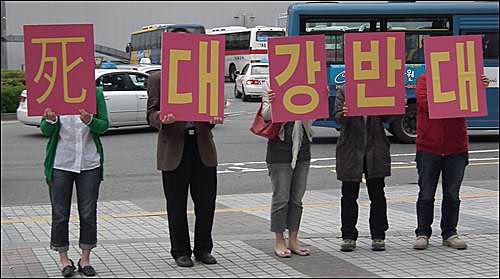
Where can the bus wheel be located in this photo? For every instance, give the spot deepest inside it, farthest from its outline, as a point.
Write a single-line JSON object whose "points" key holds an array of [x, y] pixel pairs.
{"points": [[232, 70], [405, 127]]}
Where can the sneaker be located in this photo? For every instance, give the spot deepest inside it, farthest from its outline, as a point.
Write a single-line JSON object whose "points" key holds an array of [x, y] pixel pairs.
{"points": [[378, 245], [455, 242], [421, 243], [348, 245]]}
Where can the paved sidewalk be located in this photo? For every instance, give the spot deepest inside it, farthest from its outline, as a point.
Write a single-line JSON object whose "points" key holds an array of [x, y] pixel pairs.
{"points": [[134, 241]]}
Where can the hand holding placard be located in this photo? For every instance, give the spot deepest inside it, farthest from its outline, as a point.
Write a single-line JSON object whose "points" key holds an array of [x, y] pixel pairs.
{"points": [[49, 114], [168, 119], [85, 117]]}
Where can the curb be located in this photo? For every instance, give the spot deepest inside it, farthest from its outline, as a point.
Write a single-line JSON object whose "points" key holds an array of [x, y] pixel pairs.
{"points": [[9, 116]]}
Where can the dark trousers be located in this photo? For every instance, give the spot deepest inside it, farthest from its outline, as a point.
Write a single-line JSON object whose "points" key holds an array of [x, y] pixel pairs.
{"points": [[429, 168], [61, 190], [378, 209], [191, 174]]}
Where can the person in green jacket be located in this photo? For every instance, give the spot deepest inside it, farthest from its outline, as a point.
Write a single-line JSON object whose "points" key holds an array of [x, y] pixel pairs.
{"points": [[74, 154]]}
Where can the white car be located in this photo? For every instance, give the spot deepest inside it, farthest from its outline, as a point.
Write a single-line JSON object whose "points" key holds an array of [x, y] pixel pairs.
{"points": [[249, 82], [125, 92], [145, 68]]}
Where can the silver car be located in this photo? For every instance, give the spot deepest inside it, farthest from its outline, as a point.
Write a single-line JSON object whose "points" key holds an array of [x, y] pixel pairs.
{"points": [[125, 92], [249, 82]]}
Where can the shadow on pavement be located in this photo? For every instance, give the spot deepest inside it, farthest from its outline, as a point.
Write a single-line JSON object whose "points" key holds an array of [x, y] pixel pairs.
{"points": [[127, 131]]}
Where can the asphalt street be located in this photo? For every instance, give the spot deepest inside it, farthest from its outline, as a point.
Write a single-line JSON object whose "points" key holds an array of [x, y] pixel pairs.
{"points": [[130, 160]]}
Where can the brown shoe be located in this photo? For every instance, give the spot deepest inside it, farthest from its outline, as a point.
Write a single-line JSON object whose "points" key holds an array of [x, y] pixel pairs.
{"points": [[421, 243], [455, 242]]}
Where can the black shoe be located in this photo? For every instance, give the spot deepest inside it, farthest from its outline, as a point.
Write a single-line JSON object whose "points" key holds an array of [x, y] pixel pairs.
{"points": [[206, 259], [184, 261], [87, 270], [69, 270]]}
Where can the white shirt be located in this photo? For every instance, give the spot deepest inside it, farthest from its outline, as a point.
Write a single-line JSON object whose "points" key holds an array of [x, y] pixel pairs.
{"points": [[76, 150]]}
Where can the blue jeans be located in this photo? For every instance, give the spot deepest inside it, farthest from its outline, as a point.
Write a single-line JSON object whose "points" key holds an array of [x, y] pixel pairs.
{"points": [[61, 190], [429, 168], [289, 187]]}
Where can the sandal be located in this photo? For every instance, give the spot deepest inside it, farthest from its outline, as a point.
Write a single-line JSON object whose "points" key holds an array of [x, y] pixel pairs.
{"points": [[87, 270], [283, 254], [68, 270], [301, 252]]}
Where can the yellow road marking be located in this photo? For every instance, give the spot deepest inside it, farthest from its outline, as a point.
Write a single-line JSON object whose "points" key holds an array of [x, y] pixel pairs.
{"points": [[333, 204]]}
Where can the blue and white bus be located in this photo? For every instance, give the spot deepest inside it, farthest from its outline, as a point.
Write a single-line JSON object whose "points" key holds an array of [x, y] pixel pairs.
{"points": [[417, 20], [146, 43]]}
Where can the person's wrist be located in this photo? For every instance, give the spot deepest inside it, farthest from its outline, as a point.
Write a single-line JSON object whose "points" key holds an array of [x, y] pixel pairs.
{"points": [[90, 120]]}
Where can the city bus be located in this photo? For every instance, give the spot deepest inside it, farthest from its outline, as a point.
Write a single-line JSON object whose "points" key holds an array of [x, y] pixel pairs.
{"points": [[145, 44], [417, 20], [244, 45]]}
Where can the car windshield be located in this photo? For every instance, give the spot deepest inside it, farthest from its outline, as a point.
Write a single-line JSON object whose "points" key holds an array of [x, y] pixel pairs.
{"points": [[260, 70]]}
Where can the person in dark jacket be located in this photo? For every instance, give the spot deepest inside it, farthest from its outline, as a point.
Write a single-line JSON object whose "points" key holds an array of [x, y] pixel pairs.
{"points": [[442, 146], [362, 148]]}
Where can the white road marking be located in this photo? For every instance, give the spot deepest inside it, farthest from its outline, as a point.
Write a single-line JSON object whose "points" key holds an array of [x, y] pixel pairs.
{"points": [[243, 167]]}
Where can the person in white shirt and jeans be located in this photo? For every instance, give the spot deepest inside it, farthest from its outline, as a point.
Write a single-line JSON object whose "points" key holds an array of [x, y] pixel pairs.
{"points": [[74, 155]]}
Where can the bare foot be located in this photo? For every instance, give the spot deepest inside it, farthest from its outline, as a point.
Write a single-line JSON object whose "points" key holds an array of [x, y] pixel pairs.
{"points": [[282, 251]]}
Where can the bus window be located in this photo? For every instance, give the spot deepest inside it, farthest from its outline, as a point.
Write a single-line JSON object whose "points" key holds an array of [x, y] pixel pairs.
{"points": [[240, 41], [140, 41], [133, 43], [228, 44], [157, 37], [334, 35], [490, 44], [416, 29], [262, 36]]}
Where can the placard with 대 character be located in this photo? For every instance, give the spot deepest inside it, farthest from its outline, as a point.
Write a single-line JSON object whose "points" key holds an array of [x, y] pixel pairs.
{"points": [[192, 77], [60, 69], [454, 67]]}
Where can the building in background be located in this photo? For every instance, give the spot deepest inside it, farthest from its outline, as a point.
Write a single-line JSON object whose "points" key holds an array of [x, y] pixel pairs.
{"points": [[115, 21]]}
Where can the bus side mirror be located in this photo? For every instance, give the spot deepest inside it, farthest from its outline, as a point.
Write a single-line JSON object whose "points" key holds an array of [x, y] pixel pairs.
{"points": [[127, 48], [237, 73]]}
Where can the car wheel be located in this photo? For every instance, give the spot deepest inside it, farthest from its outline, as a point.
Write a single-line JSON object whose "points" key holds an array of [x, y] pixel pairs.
{"points": [[405, 127], [237, 94], [232, 71], [244, 96]]}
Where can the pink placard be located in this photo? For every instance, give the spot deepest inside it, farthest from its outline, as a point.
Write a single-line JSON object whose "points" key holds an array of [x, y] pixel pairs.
{"points": [[454, 68], [374, 70], [60, 68], [298, 77], [192, 78]]}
